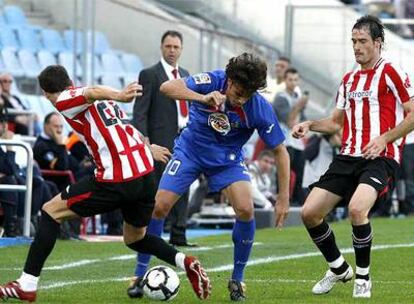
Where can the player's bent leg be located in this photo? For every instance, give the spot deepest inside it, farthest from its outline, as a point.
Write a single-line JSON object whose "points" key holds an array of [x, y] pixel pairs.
{"points": [[25, 288], [154, 245], [240, 197], [361, 203], [317, 205], [164, 201]]}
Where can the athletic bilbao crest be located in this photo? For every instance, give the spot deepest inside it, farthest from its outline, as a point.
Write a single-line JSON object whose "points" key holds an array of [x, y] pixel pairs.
{"points": [[219, 122]]}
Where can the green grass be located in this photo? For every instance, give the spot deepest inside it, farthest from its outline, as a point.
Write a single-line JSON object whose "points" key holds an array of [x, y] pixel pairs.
{"points": [[287, 281]]}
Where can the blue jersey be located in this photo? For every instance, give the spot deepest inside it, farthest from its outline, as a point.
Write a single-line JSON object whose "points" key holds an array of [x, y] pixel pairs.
{"points": [[215, 137]]}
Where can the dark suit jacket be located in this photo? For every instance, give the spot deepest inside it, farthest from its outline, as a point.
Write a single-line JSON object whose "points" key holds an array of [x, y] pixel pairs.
{"points": [[154, 114]]}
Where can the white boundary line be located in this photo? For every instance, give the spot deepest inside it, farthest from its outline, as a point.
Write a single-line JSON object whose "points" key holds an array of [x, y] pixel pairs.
{"points": [[267, 260]]}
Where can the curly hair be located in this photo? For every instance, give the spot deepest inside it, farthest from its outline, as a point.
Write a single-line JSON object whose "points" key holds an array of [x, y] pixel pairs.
{"points": [[248, 71]]}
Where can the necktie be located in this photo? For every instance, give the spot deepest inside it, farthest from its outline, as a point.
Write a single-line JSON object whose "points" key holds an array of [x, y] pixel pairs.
{"points": [[183, 103]]}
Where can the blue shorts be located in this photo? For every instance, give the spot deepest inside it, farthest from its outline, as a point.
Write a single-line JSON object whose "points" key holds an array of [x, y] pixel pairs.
{"points": [[181, 171]]}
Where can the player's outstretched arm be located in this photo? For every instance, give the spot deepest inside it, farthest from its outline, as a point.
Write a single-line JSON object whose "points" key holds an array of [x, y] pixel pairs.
{"points": [[283, 178], [329, 125], [176, 89], [374, 148], [99, 92]]}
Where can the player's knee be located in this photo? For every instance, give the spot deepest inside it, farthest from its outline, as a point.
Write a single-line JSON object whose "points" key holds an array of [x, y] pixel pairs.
{"points": [[133, 234], [244, 212], [310, 216], [162, 206], [357, 214]]}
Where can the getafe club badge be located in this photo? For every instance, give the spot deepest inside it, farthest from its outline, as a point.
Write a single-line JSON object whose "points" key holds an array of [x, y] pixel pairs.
{"points": [[219, 122]]}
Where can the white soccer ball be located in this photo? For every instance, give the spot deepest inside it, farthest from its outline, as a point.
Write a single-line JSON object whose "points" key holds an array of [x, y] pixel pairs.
{"points": [[161, 283]]}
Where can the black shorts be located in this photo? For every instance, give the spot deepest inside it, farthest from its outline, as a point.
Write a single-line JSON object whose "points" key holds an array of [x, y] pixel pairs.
{"points": [[135, 198], [345, 173]]}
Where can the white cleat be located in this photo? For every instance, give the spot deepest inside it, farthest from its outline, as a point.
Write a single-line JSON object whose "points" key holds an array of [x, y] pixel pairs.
{"points": [[327, 283], [362, 288]]}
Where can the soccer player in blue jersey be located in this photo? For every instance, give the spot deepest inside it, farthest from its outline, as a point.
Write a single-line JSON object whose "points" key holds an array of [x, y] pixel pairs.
{"points": [[225, 110]]}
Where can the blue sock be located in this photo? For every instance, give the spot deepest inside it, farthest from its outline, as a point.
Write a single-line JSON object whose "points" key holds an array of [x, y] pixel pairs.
{"points": [[155, 227], [243, 236]]}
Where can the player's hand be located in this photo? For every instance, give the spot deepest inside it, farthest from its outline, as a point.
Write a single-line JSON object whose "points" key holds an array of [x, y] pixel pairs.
{"points": [[301, 129], [281, 210], [159, 153], [215, 99], [130, 92], [374, 148]]}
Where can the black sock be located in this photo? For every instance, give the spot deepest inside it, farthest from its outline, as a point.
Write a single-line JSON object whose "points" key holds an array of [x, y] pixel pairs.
{"points": [[362, 241], [42, 245], [324, 238], [156, 246]]}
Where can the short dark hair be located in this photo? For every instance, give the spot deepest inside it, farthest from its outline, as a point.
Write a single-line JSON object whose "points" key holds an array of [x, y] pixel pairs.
{"points": [[291, 71], [248, 71], [283, 58], [172, 34], [374, 26], [265, 153], [48, 117], [54, 79]]}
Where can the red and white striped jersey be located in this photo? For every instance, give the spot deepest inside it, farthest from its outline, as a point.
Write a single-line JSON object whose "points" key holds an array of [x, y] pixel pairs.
{"points": [[373, 104], [119, 152]]}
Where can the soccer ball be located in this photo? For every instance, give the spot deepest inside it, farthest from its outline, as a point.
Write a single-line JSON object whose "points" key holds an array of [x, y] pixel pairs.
{"points": [[161, 283]]}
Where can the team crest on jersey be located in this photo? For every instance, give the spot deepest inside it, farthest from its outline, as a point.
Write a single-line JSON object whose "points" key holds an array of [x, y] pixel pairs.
{"points": [[219, 122], [202, 78]]}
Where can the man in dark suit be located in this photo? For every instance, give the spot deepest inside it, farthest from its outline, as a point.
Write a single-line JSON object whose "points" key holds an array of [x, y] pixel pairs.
{"points": [[161, 118]]}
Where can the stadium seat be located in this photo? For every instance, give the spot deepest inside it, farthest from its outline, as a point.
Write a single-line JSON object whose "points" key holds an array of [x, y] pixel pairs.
{"points": [[29, 63], [2, 66], [11, 62], [46, 58], [14, 15], [69, 37], [66, 59], [8, 38], [112, 65], [2, 20], [53, 41], [112, 81], [98, 70], [101, 43], [131, 63], [29, 39]]}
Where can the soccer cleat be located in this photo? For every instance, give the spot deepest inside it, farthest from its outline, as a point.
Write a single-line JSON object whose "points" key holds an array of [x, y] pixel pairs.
{"points": [[362, 288], [327, 283], [198, 277], [136, 288], [12, 290], [237, 290]]}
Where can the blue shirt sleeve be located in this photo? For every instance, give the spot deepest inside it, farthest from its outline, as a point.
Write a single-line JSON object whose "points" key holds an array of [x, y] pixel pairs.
{"points": [[267, 124], [203, 83]]}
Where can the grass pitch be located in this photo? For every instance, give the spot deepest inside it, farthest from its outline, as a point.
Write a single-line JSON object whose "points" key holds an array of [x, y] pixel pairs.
{"points": [[285, 265]]}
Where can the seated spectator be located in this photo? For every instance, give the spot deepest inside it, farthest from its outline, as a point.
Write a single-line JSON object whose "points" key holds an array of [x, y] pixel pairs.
{"points": [[80, 153], [289, 108], [8, 171], [19, 123], [262, 187], [50, 151]]}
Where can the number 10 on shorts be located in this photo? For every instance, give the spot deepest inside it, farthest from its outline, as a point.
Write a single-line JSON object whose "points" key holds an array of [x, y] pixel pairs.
{"points": [[172, 166]]}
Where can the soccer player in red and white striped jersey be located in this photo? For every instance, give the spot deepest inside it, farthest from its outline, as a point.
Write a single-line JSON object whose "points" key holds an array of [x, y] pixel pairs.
{"points": [[123, 179], [374, 106]]}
